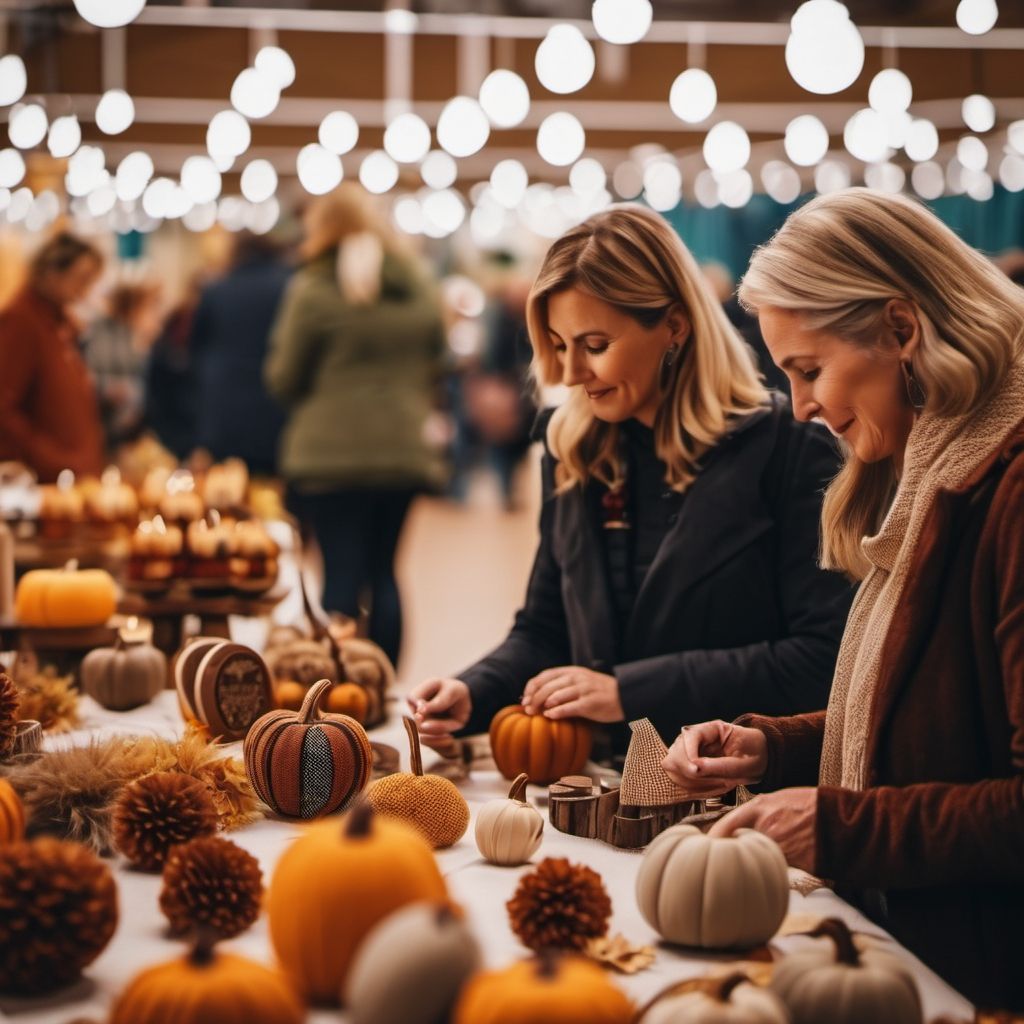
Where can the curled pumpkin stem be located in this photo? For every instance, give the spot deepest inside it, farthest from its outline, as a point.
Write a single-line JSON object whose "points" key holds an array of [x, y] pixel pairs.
{"points": [[518, 790], [311, 703], [415, 753], [838, 931]]}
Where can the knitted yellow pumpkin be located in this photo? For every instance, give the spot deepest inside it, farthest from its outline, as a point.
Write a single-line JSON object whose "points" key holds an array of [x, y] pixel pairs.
{"points": [[430, 803]]}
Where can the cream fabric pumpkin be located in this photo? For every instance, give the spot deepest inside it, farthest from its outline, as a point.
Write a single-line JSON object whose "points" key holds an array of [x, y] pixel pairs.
{"points": [[733, 999], [508, 832], [713, 893], [846, 981], [410, 968], [123, 676]]}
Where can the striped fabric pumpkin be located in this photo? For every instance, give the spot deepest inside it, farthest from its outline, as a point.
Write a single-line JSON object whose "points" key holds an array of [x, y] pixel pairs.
{"points": [[12, 815], [305, 764]]}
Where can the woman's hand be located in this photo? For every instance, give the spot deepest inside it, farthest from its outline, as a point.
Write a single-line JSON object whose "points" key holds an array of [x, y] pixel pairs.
{"points": [[440, 707], [574, 692], [788, 816], [714, 757]]}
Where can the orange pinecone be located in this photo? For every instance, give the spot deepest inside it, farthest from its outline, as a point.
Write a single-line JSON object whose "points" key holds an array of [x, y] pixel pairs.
{"points": [[559, 906], [9, 702], [211, 882], [158, 812]]}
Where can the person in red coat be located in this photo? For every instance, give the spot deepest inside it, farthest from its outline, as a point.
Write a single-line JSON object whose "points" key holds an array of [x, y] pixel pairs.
{"points": [[48, 413], [908, 792]]}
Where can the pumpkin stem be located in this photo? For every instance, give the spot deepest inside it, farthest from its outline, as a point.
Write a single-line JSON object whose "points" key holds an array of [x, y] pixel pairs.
{"points": [[836, 929], [203, 943], [310, 705], [726, 985], [414, 746], [547, 963], [518, 790], [446, 914], [358, 820]]}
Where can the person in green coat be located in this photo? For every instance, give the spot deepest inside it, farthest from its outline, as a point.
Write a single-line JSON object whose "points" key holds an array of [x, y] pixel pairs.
{"points": [[355, 356]]}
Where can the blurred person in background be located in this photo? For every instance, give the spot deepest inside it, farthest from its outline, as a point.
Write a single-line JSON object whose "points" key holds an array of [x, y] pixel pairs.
{"points": [[115, 349], [235, 415], [355, 357], [49, 417]]}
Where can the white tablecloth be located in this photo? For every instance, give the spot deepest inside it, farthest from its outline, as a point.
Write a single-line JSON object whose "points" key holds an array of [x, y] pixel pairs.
{"points": [[482, 889]]}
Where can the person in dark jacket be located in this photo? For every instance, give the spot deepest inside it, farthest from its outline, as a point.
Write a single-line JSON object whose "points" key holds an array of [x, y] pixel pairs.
{"points": [[676, 570], [236, 416], [908, 792]]}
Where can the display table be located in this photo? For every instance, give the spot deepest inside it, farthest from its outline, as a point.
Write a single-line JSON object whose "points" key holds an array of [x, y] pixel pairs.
{"points": [[482, 889]]}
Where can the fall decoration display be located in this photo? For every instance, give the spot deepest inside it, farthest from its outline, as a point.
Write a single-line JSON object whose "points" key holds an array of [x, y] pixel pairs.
{"points": [[12, 814], [432, 805], [508, 832], [58, 911], [49, 699], [156, 555], [731, 999], [225, 484], [411, 967], [112, 501], [61, 507], [334, 884], [9, 702], [847, 980], [555, 990], [307, 764], [208, 987], [123, 676], [619, 954], [158, 812], [213, 883], [298, 659], [544, 749], [65, 598], [711, 892], [559, 906], [349, 699], [222, 686], [210, 547], [254, 559]]}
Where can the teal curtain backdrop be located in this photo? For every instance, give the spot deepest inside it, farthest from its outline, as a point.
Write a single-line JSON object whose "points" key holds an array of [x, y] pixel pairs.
{"points": [[730, 236]]}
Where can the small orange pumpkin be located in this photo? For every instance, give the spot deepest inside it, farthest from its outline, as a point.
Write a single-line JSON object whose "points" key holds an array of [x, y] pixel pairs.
{"points": [[544, 749], [334, 884], [12, 814], [289, 695], [349, 699], [555, 990], [65, 598]]}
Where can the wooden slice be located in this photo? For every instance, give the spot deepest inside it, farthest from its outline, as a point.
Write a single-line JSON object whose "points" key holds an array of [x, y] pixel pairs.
{"points": [[184, 667], [232, 689]]}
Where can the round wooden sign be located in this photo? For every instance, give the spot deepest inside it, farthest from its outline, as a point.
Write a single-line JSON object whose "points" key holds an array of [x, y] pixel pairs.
{"points": [[232, 689]]}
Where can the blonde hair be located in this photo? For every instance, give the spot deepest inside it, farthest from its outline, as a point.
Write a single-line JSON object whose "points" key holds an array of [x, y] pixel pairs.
{"points": [[629, 257], [838, 262]]}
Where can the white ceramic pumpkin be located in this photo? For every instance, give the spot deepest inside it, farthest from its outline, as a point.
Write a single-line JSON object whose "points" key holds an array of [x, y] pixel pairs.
{"points": [[847, 980], [410, 968], [732, 999], [124, 676], [508, 832], [713, 892]]}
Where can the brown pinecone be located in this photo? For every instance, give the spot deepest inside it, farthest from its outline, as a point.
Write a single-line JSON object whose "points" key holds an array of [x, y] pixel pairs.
{"points": [[559, 906], [211, 882], [158, 812], [58, 910], [9, 702]]}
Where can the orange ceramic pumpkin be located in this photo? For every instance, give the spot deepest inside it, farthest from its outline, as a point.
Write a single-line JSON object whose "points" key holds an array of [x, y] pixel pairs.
{"points": [[349, 699], [334, 884], [65, 598], [567, 990], [12, 814], [542, 748]]}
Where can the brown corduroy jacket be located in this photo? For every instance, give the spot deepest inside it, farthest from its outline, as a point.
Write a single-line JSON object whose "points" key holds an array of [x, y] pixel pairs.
{"points": [[48, 414], [934, 848]]}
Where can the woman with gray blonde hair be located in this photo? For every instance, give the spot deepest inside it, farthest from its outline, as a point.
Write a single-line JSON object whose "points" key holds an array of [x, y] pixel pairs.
{"points": [[676, 569], [909, 345]]}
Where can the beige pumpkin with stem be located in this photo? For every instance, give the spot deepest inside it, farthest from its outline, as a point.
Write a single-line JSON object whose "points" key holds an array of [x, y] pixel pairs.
{"points": [[846, 981], [508, 832], [713, 892], [731, 999], [124, 676]]}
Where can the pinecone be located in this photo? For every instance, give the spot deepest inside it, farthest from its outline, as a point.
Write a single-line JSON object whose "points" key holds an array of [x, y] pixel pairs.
{"points": [[158, 812], [58, 910], [9, 702], [559, 906], [214, 883]]}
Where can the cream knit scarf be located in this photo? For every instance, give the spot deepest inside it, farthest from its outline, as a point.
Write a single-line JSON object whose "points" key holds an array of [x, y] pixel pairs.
{"points": [[941, 454]]}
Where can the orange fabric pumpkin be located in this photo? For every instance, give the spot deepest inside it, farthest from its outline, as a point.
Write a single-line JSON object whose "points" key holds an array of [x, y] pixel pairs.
{"points": [[208, 987], [12, 814], [306, 764], [65, 598], [547, 990], [543, 748], [349, 699], [334, 884]]}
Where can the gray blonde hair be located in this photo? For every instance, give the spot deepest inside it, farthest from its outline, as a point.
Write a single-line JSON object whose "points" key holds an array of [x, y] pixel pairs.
{"points": [[838, 261], [629, 257]]}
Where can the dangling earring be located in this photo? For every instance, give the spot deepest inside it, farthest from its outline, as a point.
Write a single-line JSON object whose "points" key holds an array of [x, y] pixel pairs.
{"points": [[668, 361], [915, 393]]}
